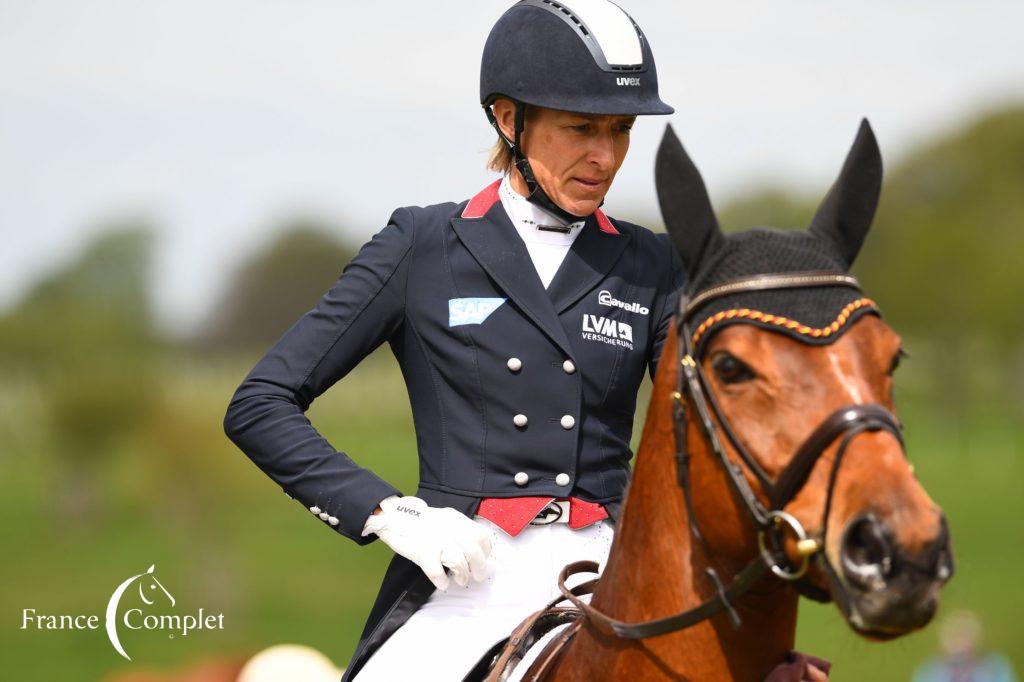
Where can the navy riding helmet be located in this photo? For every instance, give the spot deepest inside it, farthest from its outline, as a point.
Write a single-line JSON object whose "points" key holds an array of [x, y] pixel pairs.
{"points": [[585, 56]]}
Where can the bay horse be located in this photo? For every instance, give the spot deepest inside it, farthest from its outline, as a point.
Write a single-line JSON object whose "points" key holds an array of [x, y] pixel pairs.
{"points": [[777, 370]]}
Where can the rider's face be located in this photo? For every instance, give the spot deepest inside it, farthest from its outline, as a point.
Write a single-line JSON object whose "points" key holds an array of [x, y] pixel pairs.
{"points": [[574, 156]]}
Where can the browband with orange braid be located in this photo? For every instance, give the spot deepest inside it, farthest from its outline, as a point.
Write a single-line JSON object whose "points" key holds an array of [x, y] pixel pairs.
{"points": [[793, 325]]}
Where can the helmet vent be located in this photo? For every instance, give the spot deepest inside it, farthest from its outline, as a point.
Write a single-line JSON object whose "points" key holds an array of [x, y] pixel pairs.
{"points": [[564, 10]]}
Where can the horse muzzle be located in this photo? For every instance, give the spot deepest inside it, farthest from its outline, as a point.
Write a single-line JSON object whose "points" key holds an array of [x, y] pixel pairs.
{"points": [[890, 589]]}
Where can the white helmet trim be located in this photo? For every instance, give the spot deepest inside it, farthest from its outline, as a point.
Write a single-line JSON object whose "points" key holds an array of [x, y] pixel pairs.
{"points": [[607, 31], [612, 28]]}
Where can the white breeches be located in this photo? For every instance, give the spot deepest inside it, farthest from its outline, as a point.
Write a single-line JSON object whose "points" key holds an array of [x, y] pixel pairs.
{"points": [[451, 631]]}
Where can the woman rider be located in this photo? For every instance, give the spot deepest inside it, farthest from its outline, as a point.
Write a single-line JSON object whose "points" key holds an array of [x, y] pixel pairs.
{"points": [[523, 321]]}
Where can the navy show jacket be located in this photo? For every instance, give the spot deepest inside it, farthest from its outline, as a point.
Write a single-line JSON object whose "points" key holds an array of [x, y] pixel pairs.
{"points": [[481, 345]]}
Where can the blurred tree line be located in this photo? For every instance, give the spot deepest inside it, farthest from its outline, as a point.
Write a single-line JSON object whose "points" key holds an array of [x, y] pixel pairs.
{"points": [[272, 290], [945, 260], [83, 339], [84, 343]]}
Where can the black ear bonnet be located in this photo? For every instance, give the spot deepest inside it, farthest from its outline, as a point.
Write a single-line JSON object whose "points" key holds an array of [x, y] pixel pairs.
{"points": [[812, 314]]}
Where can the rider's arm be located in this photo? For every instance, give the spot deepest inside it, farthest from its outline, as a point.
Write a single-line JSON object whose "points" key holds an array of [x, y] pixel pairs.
{"points": [[266, 416]]}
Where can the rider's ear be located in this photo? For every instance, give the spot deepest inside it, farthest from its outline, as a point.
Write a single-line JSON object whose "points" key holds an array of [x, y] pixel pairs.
{"points": [[685, 205], [847, 210]]}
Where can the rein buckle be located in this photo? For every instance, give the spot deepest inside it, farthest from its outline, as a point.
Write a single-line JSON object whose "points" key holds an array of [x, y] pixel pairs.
{"points": [[806, 545]]}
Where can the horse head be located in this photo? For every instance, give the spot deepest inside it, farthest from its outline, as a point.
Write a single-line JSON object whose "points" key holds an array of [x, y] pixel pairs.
{"points": [[149, 584], [796, 364]]}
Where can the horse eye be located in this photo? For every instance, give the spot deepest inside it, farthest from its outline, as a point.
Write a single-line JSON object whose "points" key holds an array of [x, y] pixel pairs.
{"points": [[730, 369], [896, 359]]}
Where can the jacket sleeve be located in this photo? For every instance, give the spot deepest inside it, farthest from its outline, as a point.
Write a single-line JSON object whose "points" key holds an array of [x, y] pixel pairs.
{"points": [[266, 416], [668, 299]]}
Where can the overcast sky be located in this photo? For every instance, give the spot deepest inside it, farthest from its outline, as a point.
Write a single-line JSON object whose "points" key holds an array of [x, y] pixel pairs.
{"points": [[219, 120]]}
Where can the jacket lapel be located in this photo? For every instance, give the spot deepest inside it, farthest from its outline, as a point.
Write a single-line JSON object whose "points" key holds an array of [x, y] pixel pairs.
{"points": [[495, 244], [589, 260]]}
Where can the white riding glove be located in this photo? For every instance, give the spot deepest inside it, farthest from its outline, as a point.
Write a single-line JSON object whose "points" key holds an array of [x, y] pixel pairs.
{"points": [[432, 538]]}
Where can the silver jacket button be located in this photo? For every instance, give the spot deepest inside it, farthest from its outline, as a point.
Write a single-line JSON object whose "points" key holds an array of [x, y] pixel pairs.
{"points": [[522, 478], [519, 420], [562, 479], [324, 516], [568, 367], [315, 510], [514, 364], [568, 422], [333, 520]]}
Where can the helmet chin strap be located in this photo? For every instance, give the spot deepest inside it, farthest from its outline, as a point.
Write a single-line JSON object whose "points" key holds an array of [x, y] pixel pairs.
{"points": [[537, 195]]}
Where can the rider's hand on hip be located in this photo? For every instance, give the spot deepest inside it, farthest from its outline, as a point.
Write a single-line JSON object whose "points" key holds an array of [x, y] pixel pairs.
{"points": [[432, 538]]}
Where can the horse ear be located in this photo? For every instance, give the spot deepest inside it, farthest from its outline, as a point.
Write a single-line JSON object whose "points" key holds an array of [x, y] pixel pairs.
{"points": [[684, 201], [847, 210]]}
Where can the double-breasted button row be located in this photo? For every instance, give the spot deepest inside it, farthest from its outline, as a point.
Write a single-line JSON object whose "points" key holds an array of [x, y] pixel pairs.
{"points": [[522, 478], [567, 421], [515, 364], [324, 516]]}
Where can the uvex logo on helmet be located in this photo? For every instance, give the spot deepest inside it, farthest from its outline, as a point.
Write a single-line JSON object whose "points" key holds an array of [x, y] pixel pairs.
{"points": [[627, 81]]}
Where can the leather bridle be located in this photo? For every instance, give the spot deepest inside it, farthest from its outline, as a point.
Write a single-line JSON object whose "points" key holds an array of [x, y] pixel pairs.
{"points": [[771, 521]]}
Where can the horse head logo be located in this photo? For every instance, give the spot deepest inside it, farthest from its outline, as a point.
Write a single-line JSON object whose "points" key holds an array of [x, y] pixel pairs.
{"points": [[148, 585]]}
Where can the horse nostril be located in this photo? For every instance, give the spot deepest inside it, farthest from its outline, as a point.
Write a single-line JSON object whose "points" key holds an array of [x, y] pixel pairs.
{"points": [[942, 568], [866, 554]]}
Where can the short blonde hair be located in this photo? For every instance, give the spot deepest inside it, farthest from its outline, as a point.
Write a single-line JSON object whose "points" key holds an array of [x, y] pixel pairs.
{"points": [[501, 160]]}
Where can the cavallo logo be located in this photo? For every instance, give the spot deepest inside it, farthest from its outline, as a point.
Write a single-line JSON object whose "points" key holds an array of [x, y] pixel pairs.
{"points": [[150, 591], [604, 297]]}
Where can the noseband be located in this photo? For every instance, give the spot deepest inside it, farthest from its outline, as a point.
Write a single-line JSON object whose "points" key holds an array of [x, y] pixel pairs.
{"points": [[772, 522]]}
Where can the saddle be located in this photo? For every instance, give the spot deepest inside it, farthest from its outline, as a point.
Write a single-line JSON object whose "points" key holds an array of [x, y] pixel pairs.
{"points": [[498, 662]]}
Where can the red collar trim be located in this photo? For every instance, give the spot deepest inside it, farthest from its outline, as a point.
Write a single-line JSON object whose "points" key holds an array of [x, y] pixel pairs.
{"points": [[604, 223], [479, 205]]}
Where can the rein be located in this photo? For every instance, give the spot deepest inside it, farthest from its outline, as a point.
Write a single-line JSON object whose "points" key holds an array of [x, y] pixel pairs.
{"points": [[772, 521]]}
